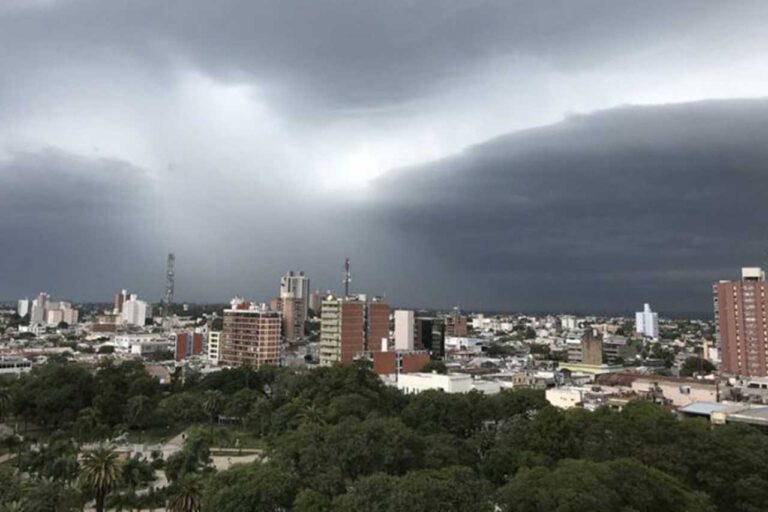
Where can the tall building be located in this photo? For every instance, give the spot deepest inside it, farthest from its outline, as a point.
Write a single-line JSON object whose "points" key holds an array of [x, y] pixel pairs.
{"points": [[404, 330], [315, 302], [592, 348], [135, 311], [294, 317], [23, 307], [119, 300], [250, 336], [295, 285], [741, 323], [430, 336], [342, 329], [350, 326], [647, 322], [377, 325], [456, 324], [188, 344], [214, 343]]}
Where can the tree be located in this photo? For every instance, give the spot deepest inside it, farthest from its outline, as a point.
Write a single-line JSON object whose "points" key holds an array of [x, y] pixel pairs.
{"points": [[693, 365], [52, 394], [251, 488], [584, 486], [186, 495], [137, 411], [435, 366], [6, 401], [212, 405], [100, 474]]}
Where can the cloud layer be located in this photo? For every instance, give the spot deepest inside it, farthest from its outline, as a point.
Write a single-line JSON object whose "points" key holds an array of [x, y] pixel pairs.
{"points": [[254, 137]]}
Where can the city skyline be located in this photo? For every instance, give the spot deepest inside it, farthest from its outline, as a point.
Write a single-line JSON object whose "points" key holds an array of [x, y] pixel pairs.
{"points": [[499, 156]]}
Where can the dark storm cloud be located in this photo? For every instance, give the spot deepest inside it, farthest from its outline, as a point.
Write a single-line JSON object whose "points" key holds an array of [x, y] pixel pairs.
{"points": [[353, 53], [71, 223], [603, 211]]}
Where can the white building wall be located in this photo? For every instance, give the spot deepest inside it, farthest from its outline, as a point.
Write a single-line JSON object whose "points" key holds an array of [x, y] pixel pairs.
{"points": [[404, 327]]}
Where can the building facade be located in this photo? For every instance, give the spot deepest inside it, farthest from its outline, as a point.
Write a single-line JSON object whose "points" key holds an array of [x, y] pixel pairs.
{"points": [[455, 324], [251, 336], [647, 322], [741, 324]]}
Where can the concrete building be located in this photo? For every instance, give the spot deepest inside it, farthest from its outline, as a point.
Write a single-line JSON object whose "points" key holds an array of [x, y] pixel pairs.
{"points": [[455, 324], [22, 307], [678, 392], [295, 285], [350, 326], [294, 312], [342, 330], [377, 325], [188, 344], [592, 348], [430, 336], [134, 311], [251, 335], [647, 322], [449, 383], [119, 301], [397, 362], [316, 302], [214, 340], [404, 330], [742, 324]]}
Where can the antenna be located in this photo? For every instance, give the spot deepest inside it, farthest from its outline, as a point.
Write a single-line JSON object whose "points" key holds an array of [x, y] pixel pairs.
{"points": [[170, 284], [347, 277]]}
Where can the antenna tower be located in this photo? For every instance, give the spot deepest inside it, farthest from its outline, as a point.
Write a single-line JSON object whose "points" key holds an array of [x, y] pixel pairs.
{"points": [[347, 277], [170, 284]]}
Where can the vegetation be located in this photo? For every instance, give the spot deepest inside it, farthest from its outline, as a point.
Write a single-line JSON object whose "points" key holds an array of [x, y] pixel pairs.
{"points": [[338, 439]]}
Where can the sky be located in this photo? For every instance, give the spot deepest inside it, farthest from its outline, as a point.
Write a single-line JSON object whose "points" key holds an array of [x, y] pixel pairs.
{"points": [[499, 155]]}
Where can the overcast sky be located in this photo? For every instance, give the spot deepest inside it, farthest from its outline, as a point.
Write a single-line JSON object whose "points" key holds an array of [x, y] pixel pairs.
{"points": [[507, 155]]}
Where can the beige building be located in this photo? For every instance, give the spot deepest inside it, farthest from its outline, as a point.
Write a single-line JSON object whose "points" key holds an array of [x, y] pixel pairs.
{"points": [[251, 336], [676, 391], [741, 320]]}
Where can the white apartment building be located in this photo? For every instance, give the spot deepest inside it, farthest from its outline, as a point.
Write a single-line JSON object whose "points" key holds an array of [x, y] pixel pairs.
{"points": [[404, 329], [450, 383], [135, 311], [214, 343], [647, 322]]}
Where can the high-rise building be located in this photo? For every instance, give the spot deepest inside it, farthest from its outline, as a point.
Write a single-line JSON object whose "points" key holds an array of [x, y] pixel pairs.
{"points": [[456, 324], [23, 307], [214, 344], [377, 325], [430, 336], [294, 317], [316, 302], [135, 311], [592, 348], [251, 335], [741, 323], [119, 300], [350, 326], [342, 329], [647, 322], [295, 285], [404, 330], [188, 344]]}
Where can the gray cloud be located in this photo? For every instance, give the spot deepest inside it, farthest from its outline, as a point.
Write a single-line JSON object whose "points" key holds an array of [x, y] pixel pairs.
{"points": [[247, 136], [604, 210]]}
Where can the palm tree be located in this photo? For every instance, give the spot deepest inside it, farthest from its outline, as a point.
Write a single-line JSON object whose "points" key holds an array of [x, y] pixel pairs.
{"points": [[186, 495], [212, 405], [137, 412], [100, 473], [12, 506], [6, 400]]}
